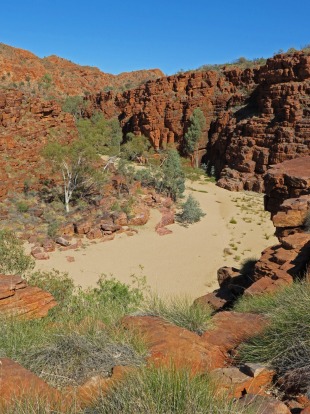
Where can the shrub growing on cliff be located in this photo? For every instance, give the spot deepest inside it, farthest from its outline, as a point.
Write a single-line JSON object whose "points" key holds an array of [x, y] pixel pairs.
{"points": [[13, 259], [191, 211]]}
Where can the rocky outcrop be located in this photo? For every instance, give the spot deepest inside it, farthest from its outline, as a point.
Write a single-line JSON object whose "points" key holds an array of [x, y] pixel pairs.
{"points": [[26, 123], [254, 117], [169, 344], [20, 300], [56, 76]]}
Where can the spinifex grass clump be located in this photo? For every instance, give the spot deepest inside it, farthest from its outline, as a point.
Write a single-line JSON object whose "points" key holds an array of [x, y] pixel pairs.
{"points": [[164, 391], [179, 311], [73, 358], [285, 344]]}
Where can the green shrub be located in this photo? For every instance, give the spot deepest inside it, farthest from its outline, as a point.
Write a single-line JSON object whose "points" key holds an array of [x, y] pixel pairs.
{"points": [[191, 211], [135, 146], [13, 259], [173, 178], [59, 284], [164, 391], [179, 311], [52, 229], [22, 207]]}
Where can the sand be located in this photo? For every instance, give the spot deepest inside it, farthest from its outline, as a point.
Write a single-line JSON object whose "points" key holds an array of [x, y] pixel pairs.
{"points": [[186, 261]]}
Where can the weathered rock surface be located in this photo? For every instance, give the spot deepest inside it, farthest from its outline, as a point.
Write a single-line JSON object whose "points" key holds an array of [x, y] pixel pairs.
{"points": [[20, 300], [17, 383], [25, 125], [237, 382], [169, 344], [259, 404]]}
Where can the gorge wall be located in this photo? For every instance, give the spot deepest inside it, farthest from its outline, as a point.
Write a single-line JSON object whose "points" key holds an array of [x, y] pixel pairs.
{"points": [[254, 117], [25, 124]]}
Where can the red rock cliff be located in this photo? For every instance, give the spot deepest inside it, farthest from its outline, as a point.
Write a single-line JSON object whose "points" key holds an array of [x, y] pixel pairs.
{"points": [[25, 123], [255, 117]]}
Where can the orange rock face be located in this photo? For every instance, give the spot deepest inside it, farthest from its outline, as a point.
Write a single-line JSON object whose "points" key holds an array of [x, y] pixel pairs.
{"points": [[25, 125], [20, 300]]}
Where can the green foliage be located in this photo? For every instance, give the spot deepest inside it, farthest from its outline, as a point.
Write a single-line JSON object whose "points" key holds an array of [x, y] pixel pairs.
{"points": [[74, 105], [52, 229], [105, 136], [191, 211], [22, 207], [285, 344], [194, 132], [135, 147], [13, 259], [173, 179], [46, 81], [164, 390], [179, 311], [76, 164], [59, 284]]}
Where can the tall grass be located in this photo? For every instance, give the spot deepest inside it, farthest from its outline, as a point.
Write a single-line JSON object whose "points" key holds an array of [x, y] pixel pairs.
{"points": [[164, 391], [285, 344], [179, 311]]}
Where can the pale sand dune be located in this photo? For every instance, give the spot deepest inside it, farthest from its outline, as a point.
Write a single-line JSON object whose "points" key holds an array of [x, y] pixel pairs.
{"points": [[184, 262]]}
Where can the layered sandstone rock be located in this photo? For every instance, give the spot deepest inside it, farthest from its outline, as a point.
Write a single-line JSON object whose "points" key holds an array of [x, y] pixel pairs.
{"points": [[20, 300]]}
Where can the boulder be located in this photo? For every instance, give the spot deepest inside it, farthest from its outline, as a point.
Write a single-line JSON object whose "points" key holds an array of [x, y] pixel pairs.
{"points": [[18, 384], [20, 300], [260, 404]]}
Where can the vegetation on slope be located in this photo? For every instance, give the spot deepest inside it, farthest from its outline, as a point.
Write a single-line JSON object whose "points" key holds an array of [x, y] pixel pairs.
{"points": [[285, 344]]}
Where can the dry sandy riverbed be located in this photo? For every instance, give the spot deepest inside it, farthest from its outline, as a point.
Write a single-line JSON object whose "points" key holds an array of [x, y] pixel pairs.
{"points": [[186, 261]]}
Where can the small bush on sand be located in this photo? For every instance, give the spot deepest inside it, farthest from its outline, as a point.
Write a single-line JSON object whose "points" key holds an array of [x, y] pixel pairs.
{"points": [[191, 211], [179, 311], [13, 259], [164, 390], [285, 344]]}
